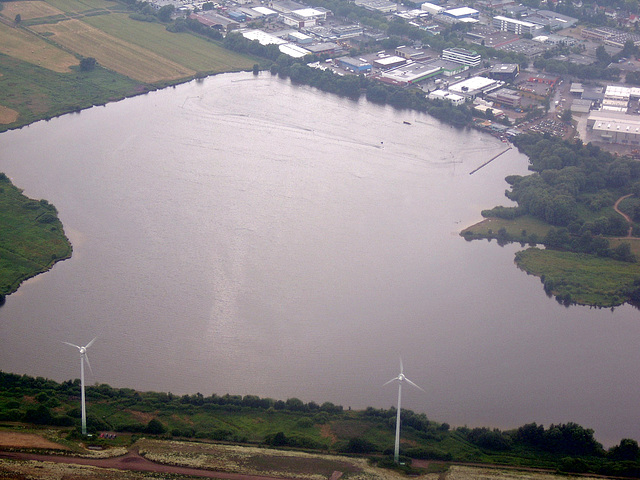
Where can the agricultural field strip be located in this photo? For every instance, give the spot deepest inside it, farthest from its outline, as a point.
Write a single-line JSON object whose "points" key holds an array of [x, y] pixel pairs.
{"points": [[21, 44], [188, 50], [113, 53], [79, 6], [29, 10]]}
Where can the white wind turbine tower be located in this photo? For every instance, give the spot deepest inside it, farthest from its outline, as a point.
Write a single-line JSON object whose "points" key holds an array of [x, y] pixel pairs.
{"points": [[400, 379], [83, 358]]}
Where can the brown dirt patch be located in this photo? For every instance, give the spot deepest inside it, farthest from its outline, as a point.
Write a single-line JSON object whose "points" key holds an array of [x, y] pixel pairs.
{"points": [[325, 432], [7, 115], [142, 417], [27, 440]]}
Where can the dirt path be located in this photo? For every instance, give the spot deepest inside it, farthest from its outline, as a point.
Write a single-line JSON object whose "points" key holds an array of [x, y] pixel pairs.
{"points": [[133, 461], [626, 217]]}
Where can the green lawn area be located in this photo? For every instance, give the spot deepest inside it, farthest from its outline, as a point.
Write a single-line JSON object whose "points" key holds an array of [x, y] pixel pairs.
{"points": [[581, 278], [31, 237], [79, 6], [186, 49], [490, 226], [37, 93]]}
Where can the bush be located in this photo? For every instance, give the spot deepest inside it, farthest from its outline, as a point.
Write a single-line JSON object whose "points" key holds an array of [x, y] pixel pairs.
{"points": [[155, 427], [359, 445]]}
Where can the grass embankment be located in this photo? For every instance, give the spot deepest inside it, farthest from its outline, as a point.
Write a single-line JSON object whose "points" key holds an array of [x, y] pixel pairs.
{"points": [[581, 278], [519, 229], [31, 237], [571, 277], [39, 58]]}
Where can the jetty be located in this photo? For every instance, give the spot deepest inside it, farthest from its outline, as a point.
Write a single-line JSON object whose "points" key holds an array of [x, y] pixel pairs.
{"points": [[489, 161]]}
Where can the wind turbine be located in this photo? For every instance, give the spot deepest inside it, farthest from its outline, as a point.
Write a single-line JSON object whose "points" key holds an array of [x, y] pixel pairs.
{"points": [[83, 358], [400, 379]]}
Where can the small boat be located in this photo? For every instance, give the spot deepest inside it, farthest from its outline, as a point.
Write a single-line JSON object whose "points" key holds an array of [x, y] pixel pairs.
{"points": [[406, 123]]}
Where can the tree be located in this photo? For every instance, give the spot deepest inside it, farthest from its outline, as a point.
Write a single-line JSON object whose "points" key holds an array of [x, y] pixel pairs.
{"points": [[87, 64], [627, 450], [155, 427], [566, 116], [164, 14], [18, 18], [602, 55]]}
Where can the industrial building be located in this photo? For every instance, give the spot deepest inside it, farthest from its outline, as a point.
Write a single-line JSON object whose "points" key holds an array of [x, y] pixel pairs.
{"points": [[263, 37], [213, 20], [266, 12], [505, 97], [614, 127], [460, 55], [474, 86], [461, 12], [347, 31], [304, 17], [517, 26], [432, 8], [409, 73], [448, 69], [354, 65], [453, 98], [383, 6], [411, 53], [389, 62], [507, 72]]}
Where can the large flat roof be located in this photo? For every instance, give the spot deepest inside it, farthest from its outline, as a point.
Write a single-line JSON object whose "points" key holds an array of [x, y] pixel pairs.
{"points": [[410, 72], [513, 20], [473, 84], [263, 37], [461, 11]]}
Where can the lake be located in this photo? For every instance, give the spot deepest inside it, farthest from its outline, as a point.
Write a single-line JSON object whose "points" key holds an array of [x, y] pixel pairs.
{"points": [[242, 235]]}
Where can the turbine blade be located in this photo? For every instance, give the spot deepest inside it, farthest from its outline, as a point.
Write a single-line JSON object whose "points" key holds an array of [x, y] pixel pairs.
{"points": [[91, 342], [401, 369], [392, 380], [72, 345], [411, 383], [88, 364]]}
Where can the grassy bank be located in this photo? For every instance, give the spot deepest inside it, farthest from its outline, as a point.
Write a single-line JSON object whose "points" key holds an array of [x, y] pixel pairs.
{"points": [[581, 278], [31, 237]]}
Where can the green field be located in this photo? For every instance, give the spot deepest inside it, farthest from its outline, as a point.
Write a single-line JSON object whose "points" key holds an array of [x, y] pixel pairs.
{"points": [[581, 278], [79, 6], [489, 227], [31, 237], [38, 93], [188, 50]]}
